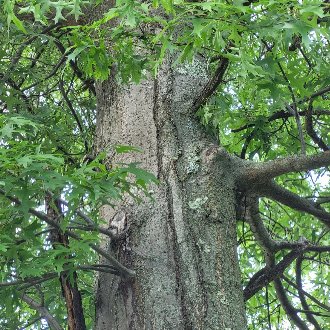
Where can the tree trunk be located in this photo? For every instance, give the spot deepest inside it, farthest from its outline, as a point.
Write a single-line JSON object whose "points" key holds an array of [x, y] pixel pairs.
{"points": [[182, 245]]}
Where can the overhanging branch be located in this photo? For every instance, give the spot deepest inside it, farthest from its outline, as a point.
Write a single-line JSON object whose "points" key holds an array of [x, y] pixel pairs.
{"points": [[283, 114]]}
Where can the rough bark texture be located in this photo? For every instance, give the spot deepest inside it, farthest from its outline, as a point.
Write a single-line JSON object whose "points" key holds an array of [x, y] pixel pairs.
{"points": [[182, 245]]}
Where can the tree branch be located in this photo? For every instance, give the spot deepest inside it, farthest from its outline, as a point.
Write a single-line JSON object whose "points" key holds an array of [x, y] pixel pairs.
{"points": [[293, 109], [74, 113], [20, 50], [52, 73], [288, 198], [69, 284], [261, 233], [33, 321], [211, 85], [310, 128], [256, 174], [287, 306], [89, 83], [125, 272], [89, 221], [317, 302], [30, 280], [282, 114], [269, 273], [43, 311], [302, 297]]}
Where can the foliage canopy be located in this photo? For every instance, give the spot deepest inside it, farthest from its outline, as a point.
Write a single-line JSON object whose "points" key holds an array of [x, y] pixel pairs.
{"points": [[272, 101]]}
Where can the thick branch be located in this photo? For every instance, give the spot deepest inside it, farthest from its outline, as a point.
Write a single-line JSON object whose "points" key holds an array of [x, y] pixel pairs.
{"points": [[288, 198], [269, 274], [261, 233], [256, 224], [69, 284], [255, 174], [281, 294], [322, 200]]}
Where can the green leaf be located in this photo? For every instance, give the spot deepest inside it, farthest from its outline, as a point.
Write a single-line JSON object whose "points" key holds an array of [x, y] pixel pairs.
{"points": [[124, 149], [19, 24], [313, 9], [72, 55], [167, 5]]}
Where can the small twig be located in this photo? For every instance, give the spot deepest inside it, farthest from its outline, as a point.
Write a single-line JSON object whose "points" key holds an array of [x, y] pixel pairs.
{"points": [[20, 50], [293, 109], [31, 280], [89, 83], [52, 73], [89, 221], [33, 321], [282, 114], [312, 298], [74, 113]]}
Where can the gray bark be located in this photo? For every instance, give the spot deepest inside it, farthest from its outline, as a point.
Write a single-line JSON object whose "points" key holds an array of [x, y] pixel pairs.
{"points": [[182, 245]]}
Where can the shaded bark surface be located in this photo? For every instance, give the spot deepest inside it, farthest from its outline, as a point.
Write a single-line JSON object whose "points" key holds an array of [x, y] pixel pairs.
{"points": [[182, 245]]}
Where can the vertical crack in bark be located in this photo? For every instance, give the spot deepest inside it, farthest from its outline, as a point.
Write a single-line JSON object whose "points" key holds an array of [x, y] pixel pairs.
{"points": [[200, 273], [157, 126], [163, 174], [180, 290]]}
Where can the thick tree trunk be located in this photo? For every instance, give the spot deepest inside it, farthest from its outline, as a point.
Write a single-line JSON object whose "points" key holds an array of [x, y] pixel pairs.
{"points": [[182, 245]]}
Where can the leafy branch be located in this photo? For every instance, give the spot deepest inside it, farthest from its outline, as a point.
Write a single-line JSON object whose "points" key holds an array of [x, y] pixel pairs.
{"points": [[125, 272]]}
